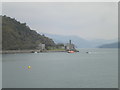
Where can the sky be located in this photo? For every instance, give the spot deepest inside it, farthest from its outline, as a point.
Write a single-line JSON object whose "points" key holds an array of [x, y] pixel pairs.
{"points": [[89, 20]]}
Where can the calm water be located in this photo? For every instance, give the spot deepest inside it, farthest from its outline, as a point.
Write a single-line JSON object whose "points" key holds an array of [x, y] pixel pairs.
{"points": [[99, 69], [0, 71]]}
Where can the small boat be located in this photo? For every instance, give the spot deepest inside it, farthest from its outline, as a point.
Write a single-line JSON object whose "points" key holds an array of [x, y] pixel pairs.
{"points": [[71, 51], [35, 52], [88, 52]]}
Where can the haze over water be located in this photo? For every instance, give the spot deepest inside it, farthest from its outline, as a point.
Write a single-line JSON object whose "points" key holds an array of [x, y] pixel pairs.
{"points": [[98, 69]]}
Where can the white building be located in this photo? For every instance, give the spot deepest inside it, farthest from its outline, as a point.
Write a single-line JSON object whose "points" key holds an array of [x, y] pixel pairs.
{"points": [[70, 46], [41, 46]]}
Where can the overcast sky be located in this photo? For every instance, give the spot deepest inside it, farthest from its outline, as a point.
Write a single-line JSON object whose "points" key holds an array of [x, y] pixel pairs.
{"points": [[88, 20]]}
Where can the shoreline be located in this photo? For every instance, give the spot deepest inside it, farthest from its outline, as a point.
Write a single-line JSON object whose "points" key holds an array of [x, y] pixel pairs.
{"points": [[28, 51]]}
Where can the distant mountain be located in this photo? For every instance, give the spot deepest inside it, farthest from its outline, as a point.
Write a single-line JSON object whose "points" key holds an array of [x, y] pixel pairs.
{"points": [[16, 35], [78, 41], [112, 45], [100, 42]]}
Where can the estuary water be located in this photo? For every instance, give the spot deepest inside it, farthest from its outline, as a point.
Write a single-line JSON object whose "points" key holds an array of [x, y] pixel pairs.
{"points": [[97, 69]]}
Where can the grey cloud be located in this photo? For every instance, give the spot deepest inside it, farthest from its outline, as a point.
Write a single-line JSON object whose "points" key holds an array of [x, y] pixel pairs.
{"points": [[88, 20]]}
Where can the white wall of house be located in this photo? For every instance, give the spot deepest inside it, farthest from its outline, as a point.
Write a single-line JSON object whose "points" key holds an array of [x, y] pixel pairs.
{"points": [[41, 46]]}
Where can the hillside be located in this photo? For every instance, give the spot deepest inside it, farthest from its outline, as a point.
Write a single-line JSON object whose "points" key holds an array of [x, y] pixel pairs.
{"points": [[18, 36], [78, 41], [112, 45]]}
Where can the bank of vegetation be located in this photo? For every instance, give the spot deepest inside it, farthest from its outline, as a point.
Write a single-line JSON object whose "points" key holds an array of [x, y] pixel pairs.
{"points": [[19, 36]]}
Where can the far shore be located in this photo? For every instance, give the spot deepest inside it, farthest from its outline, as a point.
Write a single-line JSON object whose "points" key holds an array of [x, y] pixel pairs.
{"points": [[28, 51]]}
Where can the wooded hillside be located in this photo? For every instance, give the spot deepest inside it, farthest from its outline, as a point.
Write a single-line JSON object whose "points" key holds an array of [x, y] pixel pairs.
{"points": [[18, 36]]}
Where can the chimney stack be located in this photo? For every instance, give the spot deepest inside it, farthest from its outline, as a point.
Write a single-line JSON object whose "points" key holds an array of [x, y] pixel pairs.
{"points": [[70, 41]]}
